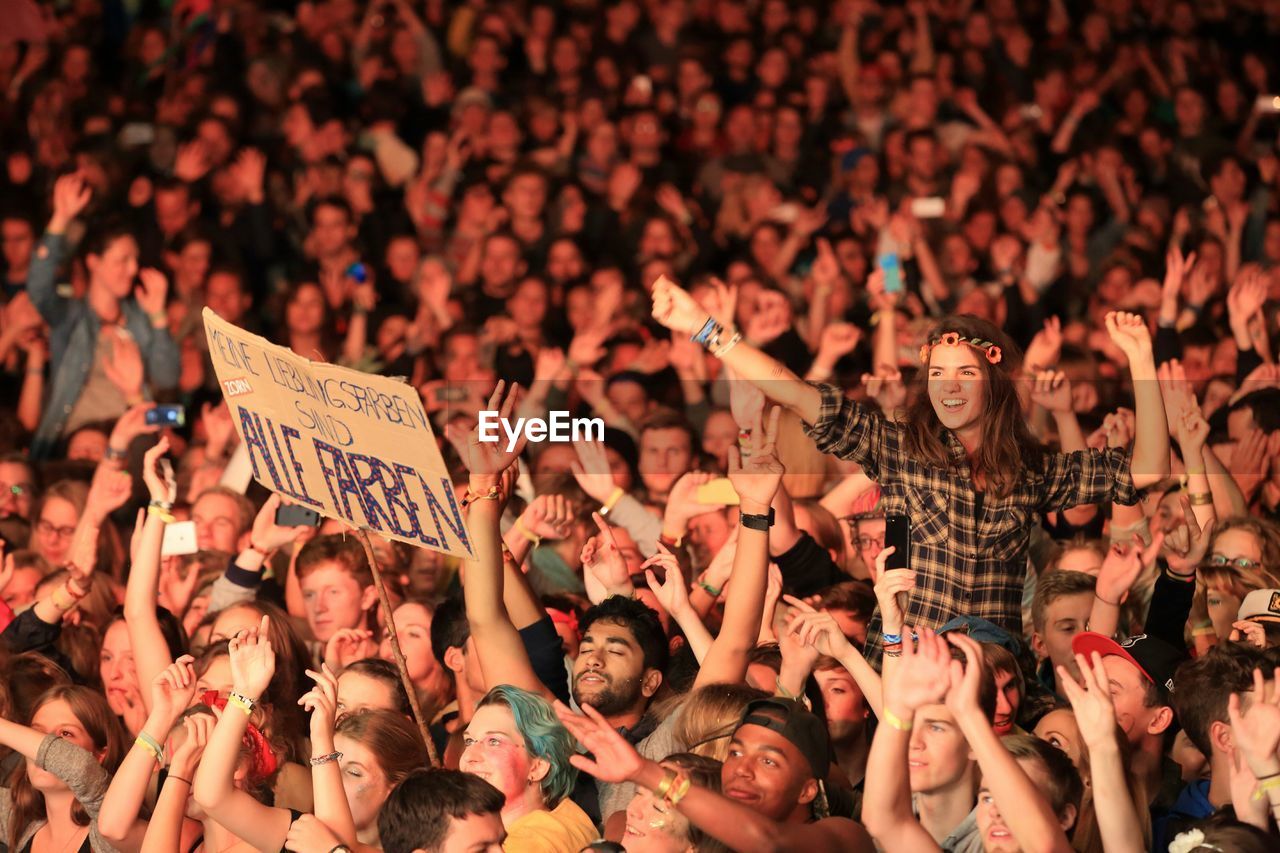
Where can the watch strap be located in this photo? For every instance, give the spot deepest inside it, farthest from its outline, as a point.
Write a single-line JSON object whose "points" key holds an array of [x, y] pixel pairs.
{"points": [[757, 522]]}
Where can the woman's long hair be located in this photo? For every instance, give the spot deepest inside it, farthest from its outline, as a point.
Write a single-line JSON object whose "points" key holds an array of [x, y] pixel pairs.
{"points": [[91, 709], [1008, 449]]}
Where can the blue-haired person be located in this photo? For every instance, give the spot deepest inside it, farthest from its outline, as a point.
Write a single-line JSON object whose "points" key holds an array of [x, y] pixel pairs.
{"points": [[515, 743]]}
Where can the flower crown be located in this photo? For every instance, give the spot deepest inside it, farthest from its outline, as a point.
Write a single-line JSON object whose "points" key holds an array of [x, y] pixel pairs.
{"points": [[953, 339]]}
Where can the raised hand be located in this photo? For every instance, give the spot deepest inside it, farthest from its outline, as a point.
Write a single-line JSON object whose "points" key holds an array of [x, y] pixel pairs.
{"points": [[587, 347], [109, 490], [349, 645], [838, 340], [71, 195], [1052, 391], [1121, 567], [253, 661], [153, 290], [592, 470], [1243, 631], [1186, 545], [1090, 701], [672, 592], [826, 267], [756, 478], [613, 758], [158, 477], [1046, 346], [489, 458], [887, 389], [682, 502], [921, 676], [309, 834], [124, 366], [131, 424], [321, 702], [196, 729], [1248, 293], [675, 309], [603, 559], [746, 402], [192, 162], [174, 688], [266, 536], [249, 170], [1176, 269], [965, 679], [892, 587], [1129, 332], [548, 516], [816, 628], [1257, 731]]}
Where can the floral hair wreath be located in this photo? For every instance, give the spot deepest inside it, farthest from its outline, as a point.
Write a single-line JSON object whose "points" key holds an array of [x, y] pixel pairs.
{"points": [[953, 339]]}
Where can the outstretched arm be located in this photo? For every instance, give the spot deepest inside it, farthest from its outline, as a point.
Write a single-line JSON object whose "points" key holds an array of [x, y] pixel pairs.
{"points": [[756, 479], [1151, 443], [150, 651], [677, 310], [502, 655]]}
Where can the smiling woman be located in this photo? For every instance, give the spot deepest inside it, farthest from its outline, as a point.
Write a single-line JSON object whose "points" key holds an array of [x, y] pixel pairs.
{"points": [[960, 462]]}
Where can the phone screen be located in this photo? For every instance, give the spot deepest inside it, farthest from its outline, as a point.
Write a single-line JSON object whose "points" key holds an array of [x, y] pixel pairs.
{"points": [[892, 272]]}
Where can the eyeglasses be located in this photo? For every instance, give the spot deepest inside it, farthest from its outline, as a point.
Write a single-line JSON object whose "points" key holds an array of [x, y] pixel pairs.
{"points": [[1241, 563], [44, 528], [866, 543]]}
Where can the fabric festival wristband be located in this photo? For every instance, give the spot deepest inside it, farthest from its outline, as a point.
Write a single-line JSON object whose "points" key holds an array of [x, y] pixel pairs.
{"points": [[895, 721], [244, 703], [532, 537], [1268, 784], [709, 589], [612, 501], [149, 743], [665, 785], [891, 639], [678, 789], [162, 514]]}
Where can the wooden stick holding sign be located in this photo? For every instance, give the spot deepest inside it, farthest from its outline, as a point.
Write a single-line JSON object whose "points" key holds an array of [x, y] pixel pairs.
{"points": [[401, 663]]}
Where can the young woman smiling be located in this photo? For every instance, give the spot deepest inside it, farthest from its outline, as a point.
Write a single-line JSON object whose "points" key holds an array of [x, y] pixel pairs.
{"points": [[961, 462]]}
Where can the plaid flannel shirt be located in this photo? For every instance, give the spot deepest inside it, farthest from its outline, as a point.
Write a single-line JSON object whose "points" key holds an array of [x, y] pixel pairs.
{"points": [[966, 562]]}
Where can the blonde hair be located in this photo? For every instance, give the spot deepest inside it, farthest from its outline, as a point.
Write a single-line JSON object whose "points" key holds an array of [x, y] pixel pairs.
{"points": [[709, 716]]}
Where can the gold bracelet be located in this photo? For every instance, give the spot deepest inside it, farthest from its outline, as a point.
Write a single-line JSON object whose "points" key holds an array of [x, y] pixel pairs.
{"points": [[678, 789], [1200, 498], [665, 785], [895, 721]]}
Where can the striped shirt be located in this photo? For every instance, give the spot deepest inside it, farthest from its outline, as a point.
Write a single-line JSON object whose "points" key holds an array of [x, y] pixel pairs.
{"points": [[968, 549]]}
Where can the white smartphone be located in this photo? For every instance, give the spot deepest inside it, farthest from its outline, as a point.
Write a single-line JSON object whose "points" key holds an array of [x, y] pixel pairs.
{"points": [[932, 207], [179, 539]]}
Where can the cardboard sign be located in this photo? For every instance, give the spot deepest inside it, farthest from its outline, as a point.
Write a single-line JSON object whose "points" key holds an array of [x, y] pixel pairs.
{"points": [[353, 446]]}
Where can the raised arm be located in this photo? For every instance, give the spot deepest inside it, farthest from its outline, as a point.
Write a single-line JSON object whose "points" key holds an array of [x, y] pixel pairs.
{"points": [[1030, 817], [150, 651], [71, 195], [819, 629], [331, 805], [171, 693], [169, 828], [253, 662], [755, 478], [677, 310], [920, 678], [502, 655], [1151, 444], [1118, 823], [735, 824]]}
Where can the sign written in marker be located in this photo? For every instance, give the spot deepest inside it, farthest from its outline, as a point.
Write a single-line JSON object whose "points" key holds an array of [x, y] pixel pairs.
{"points": [[354, 446]]}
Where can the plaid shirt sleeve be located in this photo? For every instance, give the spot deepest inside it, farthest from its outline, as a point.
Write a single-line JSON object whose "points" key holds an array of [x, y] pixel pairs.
{"points": [[849, 430], [1088, 477]]}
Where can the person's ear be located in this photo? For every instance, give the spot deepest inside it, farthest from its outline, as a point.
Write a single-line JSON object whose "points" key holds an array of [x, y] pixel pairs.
{"points": [[1220, 737], [453, 660], [1068, 817], [368, 597], [1037, 645], [652, 680], [1161, 721], [809, 792], [538, 770]]}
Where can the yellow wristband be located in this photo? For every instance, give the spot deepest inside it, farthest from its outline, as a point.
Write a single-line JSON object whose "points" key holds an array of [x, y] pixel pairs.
{"points": [[678, 790], [614, 497], [239, 701], [150, 744], [528, 534], [895, 721], [1264, 785], [161, 513]]}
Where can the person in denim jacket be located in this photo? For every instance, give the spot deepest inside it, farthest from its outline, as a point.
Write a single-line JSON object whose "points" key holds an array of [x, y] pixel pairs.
{"points": [[108, 346]]}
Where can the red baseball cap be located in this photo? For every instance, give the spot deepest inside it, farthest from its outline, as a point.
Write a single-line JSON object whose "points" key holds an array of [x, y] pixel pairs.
{"points": [[1154, 658]]}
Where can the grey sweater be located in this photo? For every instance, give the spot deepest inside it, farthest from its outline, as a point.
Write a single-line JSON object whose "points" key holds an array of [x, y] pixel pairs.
{"points": [[85, 777]]}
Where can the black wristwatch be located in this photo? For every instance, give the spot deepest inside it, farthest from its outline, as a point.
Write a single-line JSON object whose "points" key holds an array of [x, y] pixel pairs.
{"points": [[757, 522]]}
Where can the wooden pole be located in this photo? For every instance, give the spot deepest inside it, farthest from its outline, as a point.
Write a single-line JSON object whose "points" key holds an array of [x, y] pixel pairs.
{"points": [[401, 664]]}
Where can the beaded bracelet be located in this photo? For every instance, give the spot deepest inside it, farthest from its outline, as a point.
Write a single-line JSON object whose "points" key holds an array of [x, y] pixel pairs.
{"points": [[321, 760]]}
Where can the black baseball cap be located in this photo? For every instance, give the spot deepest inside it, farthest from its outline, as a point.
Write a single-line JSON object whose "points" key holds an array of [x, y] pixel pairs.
{"points": [[1154, 658], [800, 726]]}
